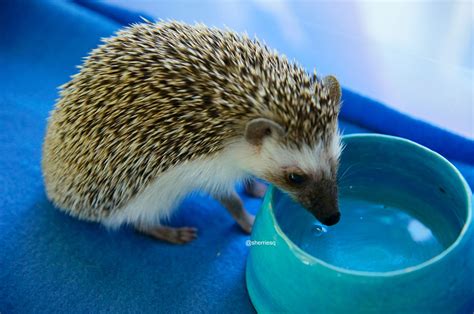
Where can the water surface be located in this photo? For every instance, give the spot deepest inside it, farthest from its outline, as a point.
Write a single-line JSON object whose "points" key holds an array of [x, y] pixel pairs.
{"points": [[371, 236]]}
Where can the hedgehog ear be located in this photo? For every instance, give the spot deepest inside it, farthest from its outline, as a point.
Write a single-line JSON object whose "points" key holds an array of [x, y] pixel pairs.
{"points": [[257, 129], [334, 90]]}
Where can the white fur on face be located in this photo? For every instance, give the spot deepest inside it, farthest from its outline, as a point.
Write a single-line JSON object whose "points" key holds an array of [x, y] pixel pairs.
{"points": [[312, 160], [335, 145]]}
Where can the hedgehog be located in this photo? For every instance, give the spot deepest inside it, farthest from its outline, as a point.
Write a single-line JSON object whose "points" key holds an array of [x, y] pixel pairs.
{"points": [[164, 109]]}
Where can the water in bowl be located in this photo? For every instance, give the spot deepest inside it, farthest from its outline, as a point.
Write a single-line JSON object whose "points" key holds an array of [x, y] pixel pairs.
{"points": [[371, 235]]}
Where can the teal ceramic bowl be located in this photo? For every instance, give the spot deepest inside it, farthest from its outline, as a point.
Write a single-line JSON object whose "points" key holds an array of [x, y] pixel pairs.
{"points": [[404, 243]]}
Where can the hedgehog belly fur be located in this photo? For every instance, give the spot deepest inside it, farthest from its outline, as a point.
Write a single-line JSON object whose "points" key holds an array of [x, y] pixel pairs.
{"points": [[215, 175]]}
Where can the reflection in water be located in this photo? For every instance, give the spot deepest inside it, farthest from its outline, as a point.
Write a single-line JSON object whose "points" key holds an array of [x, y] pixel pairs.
{"points": [[318, 230], [418, 231]]}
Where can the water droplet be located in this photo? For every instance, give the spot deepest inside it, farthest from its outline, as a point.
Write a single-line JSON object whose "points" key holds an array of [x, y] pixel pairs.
{"points": [[318, 230], [350, 187]]}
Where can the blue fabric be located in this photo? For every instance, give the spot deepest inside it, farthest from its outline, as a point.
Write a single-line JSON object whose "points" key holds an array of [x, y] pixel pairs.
{"points": [[50, 262], [380, 118], [119, 15]]}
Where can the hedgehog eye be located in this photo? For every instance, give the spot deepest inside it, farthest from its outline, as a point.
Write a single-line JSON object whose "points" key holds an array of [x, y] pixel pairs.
{"points": [[296, 179]]}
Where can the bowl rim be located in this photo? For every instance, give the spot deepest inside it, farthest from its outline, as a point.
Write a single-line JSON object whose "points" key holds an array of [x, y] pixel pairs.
{"points": [[308, 258]]}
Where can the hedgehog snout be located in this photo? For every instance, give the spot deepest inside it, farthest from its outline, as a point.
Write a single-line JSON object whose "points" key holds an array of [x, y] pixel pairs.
{"points": [[327, 214], [322, 202]]}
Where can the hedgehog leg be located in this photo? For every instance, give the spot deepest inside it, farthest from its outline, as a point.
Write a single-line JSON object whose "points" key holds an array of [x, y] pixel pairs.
{"points": [[180, 235], [255, 188], [234, 205]]}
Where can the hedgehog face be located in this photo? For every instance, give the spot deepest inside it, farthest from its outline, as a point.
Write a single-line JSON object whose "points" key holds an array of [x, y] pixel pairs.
{"points": [[308, 174]]}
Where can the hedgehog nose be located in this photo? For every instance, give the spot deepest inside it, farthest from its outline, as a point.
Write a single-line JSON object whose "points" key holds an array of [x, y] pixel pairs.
{"points": [[331, 220]]}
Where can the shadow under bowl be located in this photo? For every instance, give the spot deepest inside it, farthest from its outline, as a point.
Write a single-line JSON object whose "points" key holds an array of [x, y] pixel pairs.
{"points": [[404, 243]]}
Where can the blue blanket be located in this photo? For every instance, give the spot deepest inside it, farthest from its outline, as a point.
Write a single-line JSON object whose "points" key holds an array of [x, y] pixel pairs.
{"points": [[50, 262]]}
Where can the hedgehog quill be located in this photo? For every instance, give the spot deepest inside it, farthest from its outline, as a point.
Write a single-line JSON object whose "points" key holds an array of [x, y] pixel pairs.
{"points": [[163, 109]]}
